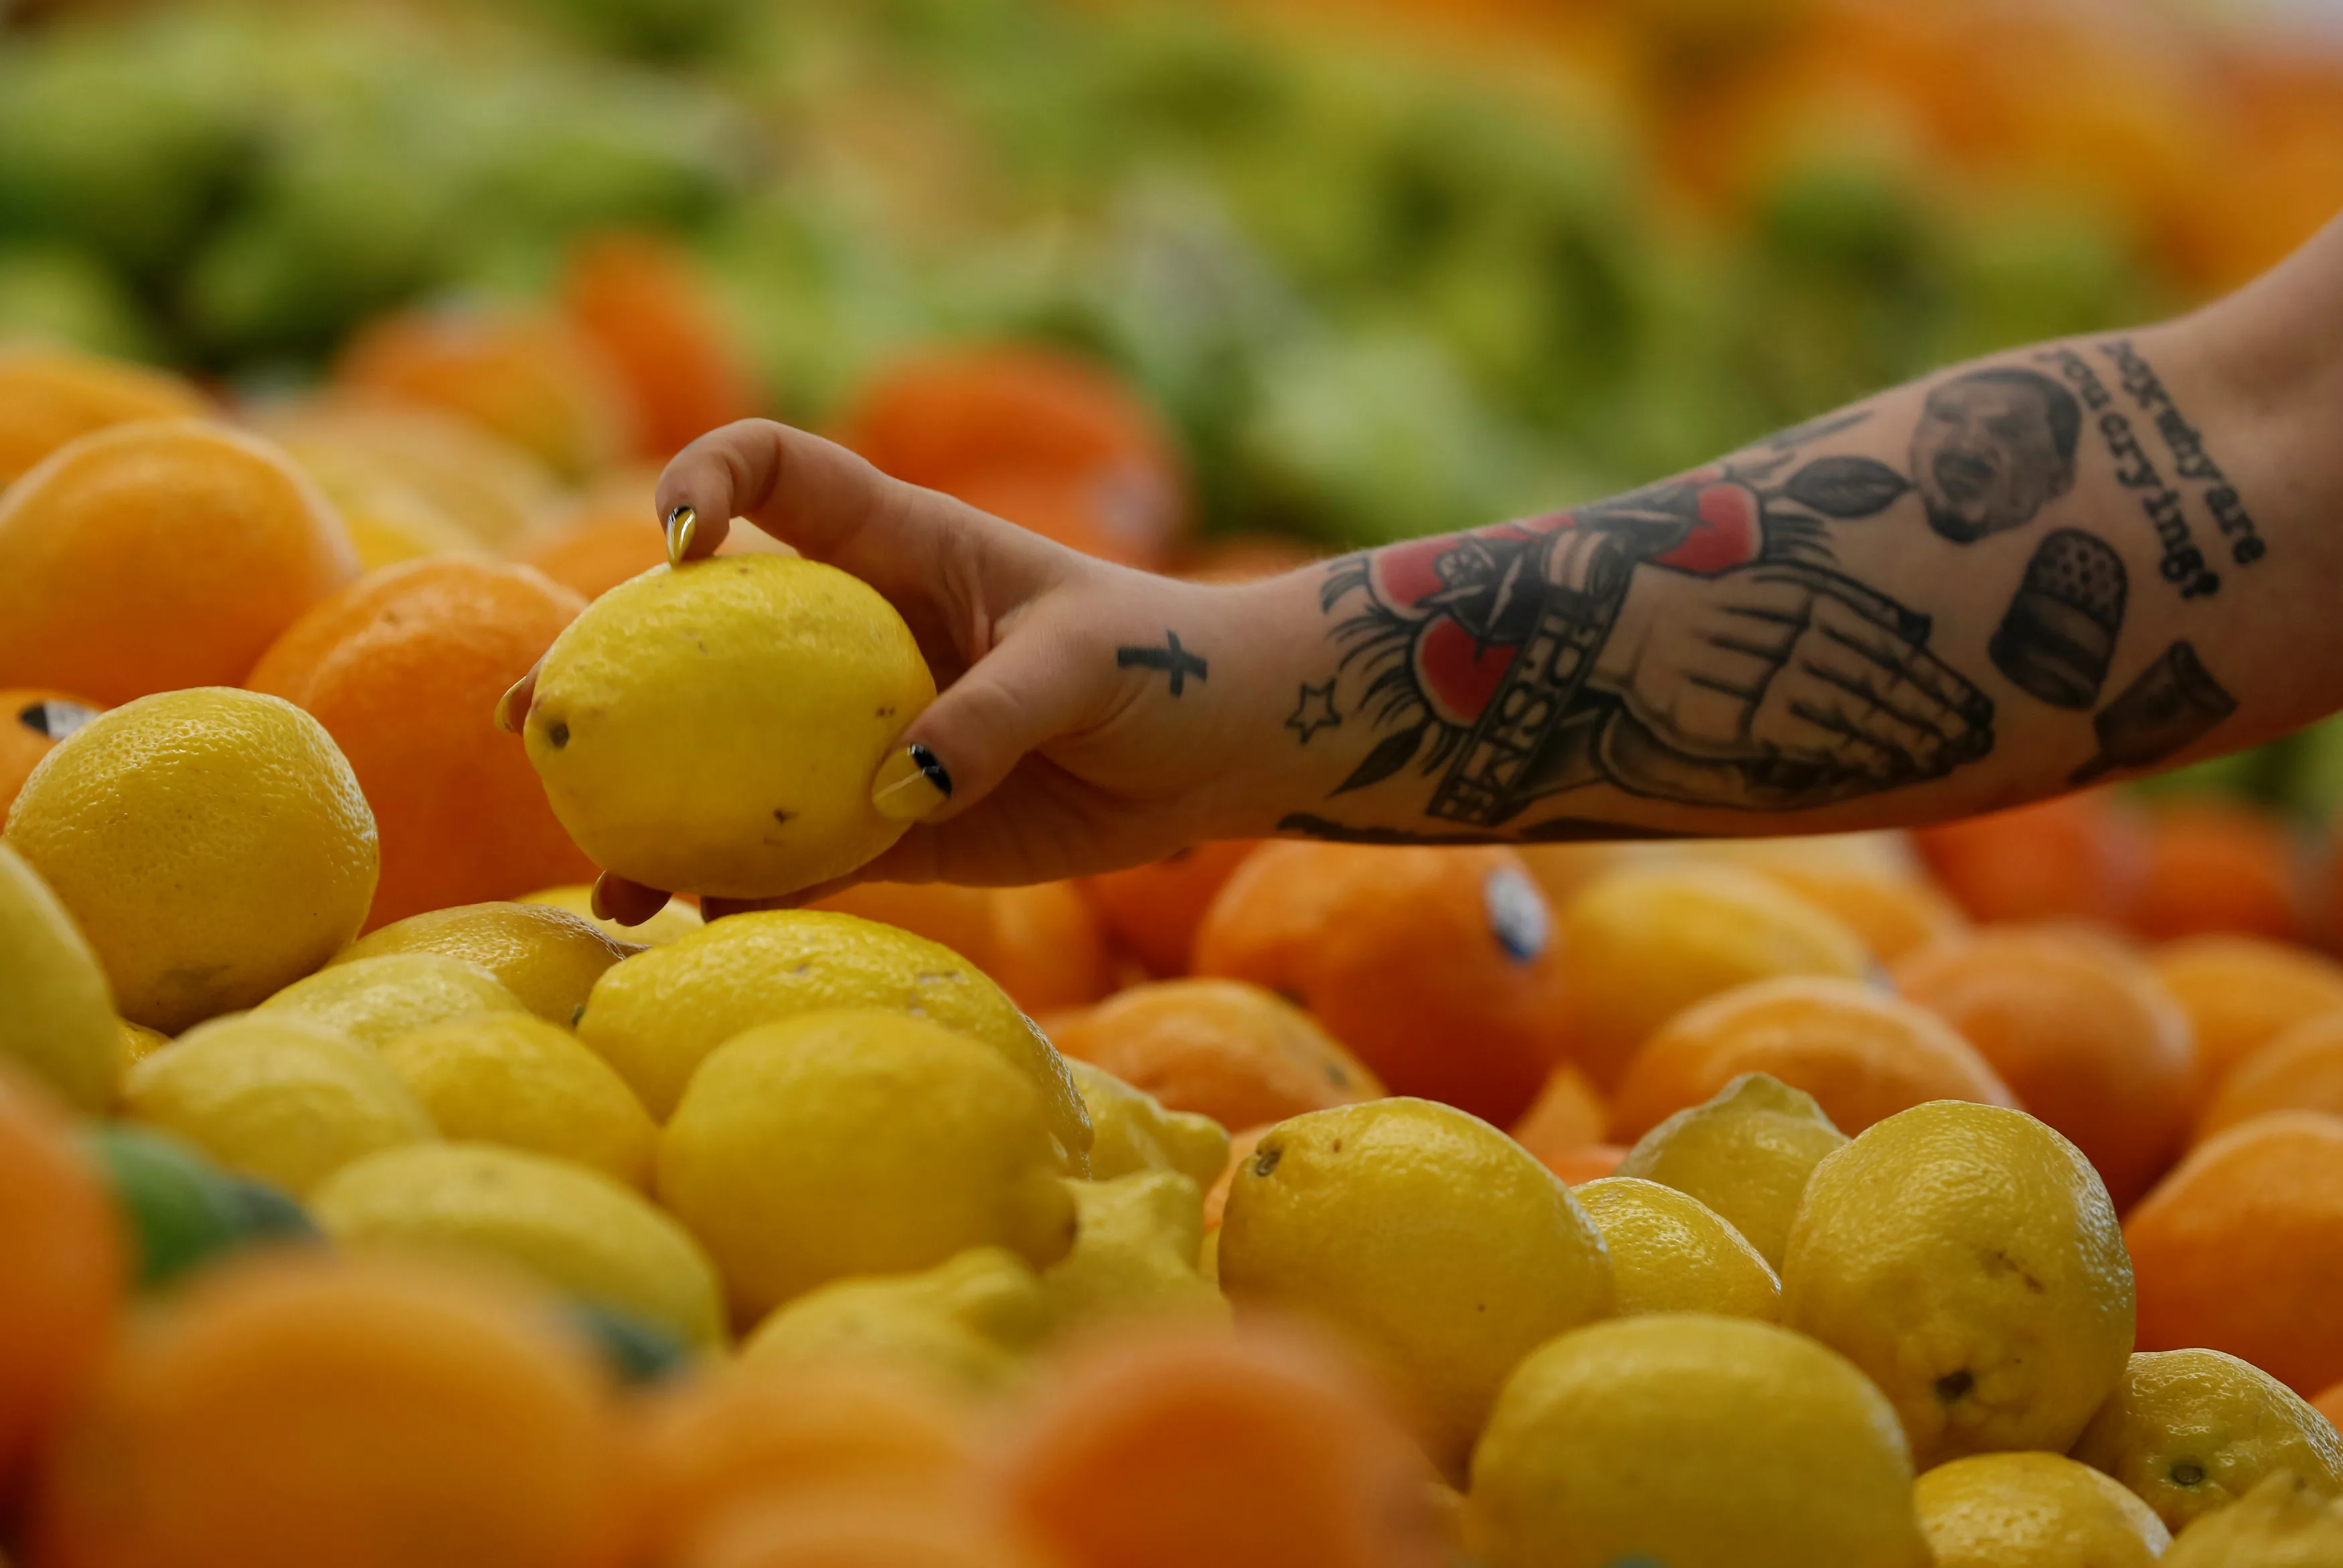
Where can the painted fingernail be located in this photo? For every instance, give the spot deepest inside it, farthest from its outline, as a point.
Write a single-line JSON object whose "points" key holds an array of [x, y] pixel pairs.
{"points": [[682, 525], [599, 901], [911, 784], [507, 719]]}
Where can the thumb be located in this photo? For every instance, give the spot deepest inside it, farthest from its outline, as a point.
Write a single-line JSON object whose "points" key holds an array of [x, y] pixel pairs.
{"points": [[1039, 683]]}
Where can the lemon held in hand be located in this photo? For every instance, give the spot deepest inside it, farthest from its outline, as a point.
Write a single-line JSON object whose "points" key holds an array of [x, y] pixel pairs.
{"points": [[716, 729]]}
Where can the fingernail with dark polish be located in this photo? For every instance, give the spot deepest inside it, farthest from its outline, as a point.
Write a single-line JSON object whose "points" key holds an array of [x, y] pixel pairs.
{"points": [[682, 525], [911, 784]]}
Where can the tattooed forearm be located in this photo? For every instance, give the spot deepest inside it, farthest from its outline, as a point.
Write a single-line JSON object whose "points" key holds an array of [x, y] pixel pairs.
{"points": [[2059, 637], [1555, 830], [1177, 662], [2180, 562], [1313, 711], [2191, 460], [2172, 704]]}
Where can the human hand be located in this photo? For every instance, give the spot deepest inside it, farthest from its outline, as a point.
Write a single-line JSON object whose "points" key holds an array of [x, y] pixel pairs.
{"points": [[1785, 662], [1045, 754]]}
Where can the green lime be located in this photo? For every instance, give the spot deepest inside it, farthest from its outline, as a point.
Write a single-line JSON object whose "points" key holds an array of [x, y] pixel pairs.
{"points": [[636, 1351], [173, 1201], [265, 1213]]}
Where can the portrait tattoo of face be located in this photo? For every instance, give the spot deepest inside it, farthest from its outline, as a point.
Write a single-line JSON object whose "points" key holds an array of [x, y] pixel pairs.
{"points": [[1992, 449]]}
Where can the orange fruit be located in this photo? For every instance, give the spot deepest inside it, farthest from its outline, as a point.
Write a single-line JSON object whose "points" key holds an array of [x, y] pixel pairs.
{"points": [[63, 1259], [1590, 1164], [153, 557], [1168, 1447], [645, 302], [1862, 1053], [33, 720], [1567, 1115], [1892, 915], [1040, 944], [2240, 992], [1155, 910], [707, 1443], [1084, 510], [878, 1527], [1243, 557], [49, 396], [1437, 967], [593, 554], [1241, 1148], [2240, 1249], [2081, 856], [404, 668], [529, 377], [1223, 1049], [2216, 866], [301, 1410], [2083, 1032], [2301, 1069], [1641, 943], [962, 420], [2331, 1405]]}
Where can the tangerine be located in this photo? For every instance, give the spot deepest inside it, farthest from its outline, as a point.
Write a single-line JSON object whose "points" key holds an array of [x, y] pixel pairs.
{"points": [[1166, 1447], [531, 377], [49, 396], [63, 1256], [2301, 1069], [2083, 1032], [1863, 1054], [2216, 866], [403, 669], [301, 1409], [2240, 992], [1155, 910], [1223, 1049], [157, 556], [1437, 967], [2081, 856], [644, 301], [2240, 1249]]}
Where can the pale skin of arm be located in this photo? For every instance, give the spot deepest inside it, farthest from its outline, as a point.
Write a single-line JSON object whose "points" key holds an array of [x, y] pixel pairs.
{"points": [[1065, 759]]}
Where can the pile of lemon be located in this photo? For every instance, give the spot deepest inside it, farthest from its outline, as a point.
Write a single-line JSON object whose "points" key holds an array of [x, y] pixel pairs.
{"points": [[804, 1137]]}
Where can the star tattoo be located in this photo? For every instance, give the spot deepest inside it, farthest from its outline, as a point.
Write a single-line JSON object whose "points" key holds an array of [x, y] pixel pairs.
{"points": [[1314, 711]]}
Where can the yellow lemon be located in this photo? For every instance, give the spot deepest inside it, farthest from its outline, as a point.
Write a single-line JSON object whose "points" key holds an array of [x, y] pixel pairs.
{"points": [[389, 526], [656, 1015], [1746, 1151], [139, 1042], [1130, 1131], [568, 1225], [716, 729], [1670, 1252], [376, 1001], [1692, 1442], [967, 1324], [57, 1017], [1642, 943], [1135, 1253], [2033, 1511], [1967, 1258], [858, 1142], [212, 845], [1438, 1243], [2281, 1523], [2193, 1431], [509, 1079], [281, 1098], [674, 919], [549, 959]]}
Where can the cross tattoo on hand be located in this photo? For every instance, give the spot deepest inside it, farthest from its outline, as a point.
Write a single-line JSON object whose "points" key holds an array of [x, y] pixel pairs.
{"points": [[1171, 658]]}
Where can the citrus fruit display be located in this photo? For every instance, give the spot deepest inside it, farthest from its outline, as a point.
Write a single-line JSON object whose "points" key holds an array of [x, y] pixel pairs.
{"points": [[644, 704], [372, 1195]]}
